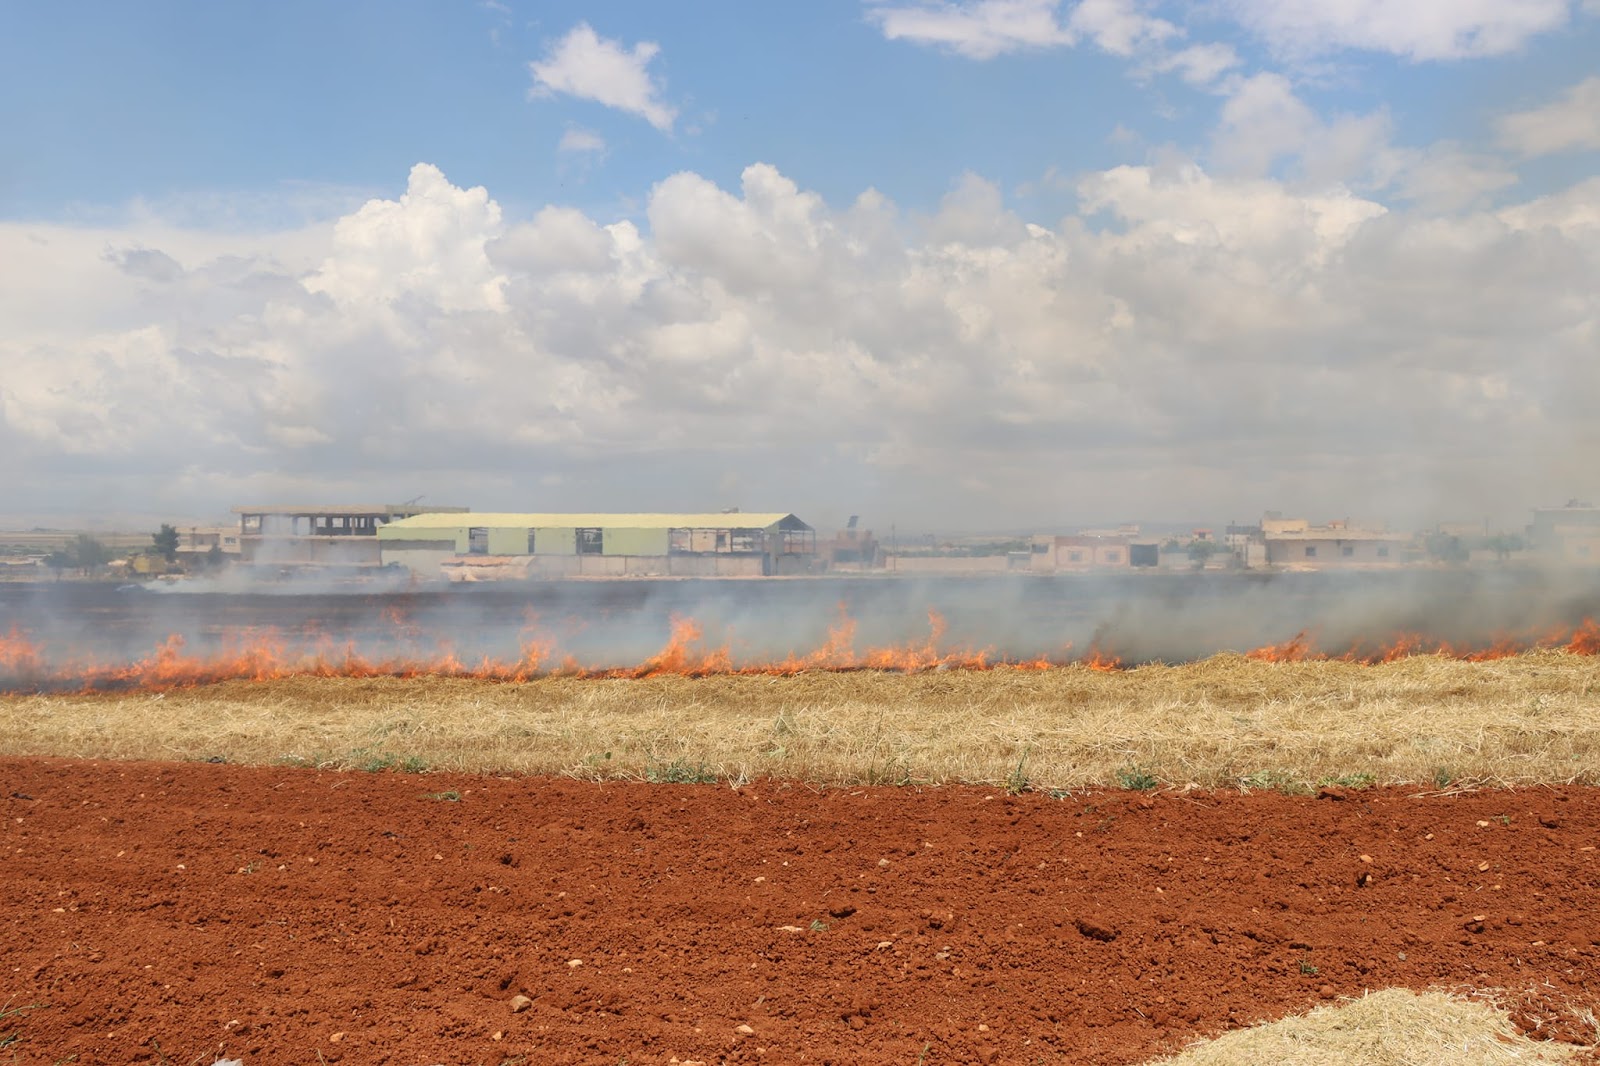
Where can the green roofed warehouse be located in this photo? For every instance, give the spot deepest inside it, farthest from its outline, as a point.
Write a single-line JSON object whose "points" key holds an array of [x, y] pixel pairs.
{"points": [[472, 547]]}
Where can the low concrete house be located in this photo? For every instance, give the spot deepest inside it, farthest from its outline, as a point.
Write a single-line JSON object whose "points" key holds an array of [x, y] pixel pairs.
{"points": [[1296, 544]]}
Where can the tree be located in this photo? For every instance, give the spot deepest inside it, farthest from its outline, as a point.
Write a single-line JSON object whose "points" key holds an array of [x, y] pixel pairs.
{"points": [[88, 553], [166, 543], [1201, 550], [1503, 544], [1446, 548]]}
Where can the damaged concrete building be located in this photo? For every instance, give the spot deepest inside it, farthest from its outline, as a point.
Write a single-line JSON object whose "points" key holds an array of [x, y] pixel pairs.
{"points": [[480, 547], [344, 535]]}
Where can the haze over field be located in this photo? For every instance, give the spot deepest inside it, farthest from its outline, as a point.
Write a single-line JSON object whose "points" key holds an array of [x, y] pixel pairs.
{"points": [[999, 263]]}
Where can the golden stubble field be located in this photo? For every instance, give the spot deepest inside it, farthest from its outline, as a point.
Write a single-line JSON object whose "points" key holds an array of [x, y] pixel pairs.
{"points": [[1228, 721]]}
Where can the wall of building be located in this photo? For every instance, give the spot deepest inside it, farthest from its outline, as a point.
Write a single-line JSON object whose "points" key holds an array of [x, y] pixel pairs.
{"points": [[309, 551], [561, 540], [940, 564], [1328, 552], [1075, 553]]}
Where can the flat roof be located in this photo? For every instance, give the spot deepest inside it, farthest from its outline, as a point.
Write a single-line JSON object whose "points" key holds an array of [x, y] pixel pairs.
{"points": [[376, 510], [653, 520], [1338, 534]]}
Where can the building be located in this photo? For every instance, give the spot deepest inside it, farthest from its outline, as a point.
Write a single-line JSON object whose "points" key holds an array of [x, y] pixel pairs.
{"points": [[1247, 543], [199, 542], [1569, 534], [1083, 552], [338, 536], [1296, 544], [853, 548], [485, 546]]}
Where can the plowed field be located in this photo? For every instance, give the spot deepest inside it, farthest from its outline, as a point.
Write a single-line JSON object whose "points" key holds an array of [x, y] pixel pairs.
{"points": [[178, 912]]}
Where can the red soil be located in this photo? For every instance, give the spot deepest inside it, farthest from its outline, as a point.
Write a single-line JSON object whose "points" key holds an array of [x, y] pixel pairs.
{"points": [[172, 913]]}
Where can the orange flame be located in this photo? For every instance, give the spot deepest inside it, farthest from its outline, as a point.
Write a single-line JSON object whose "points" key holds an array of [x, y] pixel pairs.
{"points": [[1293, 650], [263, 655]]}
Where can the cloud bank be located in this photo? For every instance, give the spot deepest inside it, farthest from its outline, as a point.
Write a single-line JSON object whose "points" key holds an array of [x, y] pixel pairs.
{"points": [[1182, 344]]}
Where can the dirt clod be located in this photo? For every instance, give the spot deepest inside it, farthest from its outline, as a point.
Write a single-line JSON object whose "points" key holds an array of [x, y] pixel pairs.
{"points": [[1095, 931]]}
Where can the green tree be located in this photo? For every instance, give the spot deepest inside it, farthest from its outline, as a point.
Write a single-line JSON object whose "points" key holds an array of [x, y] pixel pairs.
{"points": [[166, 542], [88, 553], [1446, 547], [1503, 544], [1201, 550]]}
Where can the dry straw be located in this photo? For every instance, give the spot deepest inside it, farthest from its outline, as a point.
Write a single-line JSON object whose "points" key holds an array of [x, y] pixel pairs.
{"points": [[1390, 1028], [1228, 721]]}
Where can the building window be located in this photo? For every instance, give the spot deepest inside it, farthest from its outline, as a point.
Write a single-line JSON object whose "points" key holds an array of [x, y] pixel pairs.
{"points": [[478, 540], [591, 542], [1113, 557], [1311, 551], [1040, 547], [532, 541], [1383, 551], [1075, 557], [1348, 550]]}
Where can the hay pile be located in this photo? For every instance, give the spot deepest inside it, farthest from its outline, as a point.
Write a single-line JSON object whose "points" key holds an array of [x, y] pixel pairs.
{"points": [[1390, 1028]]}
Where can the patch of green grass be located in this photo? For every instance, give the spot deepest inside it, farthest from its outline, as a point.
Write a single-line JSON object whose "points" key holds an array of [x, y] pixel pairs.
{"points": [[374, 762], [818, 925], [12, 1037], [679, 771], [1307, 968], [1357, 780], [1135, 779], [1276, 780], [1017, 781], [451, 796], [1442, 777]]}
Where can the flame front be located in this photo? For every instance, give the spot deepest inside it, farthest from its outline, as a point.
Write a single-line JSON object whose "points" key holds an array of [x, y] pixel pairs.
{"points": [[262, 654]]}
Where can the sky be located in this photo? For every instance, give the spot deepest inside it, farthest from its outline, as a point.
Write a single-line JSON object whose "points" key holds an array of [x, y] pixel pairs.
{"points": [[948, 264]]}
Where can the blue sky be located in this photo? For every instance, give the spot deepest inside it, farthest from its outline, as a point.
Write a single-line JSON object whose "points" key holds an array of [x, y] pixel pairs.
{"points": [[1212, 189], [116, 102]]}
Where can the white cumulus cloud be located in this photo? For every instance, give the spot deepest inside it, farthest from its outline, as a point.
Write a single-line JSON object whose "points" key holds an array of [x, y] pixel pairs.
{"points": [[1569, 123], [1415, 29], [580, 141], [591, 67], [978, 29], [1186, 342]]}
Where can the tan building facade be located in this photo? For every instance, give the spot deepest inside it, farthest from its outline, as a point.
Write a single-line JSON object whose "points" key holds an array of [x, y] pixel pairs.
{"points": [[1299, 545], [1081, 553]]}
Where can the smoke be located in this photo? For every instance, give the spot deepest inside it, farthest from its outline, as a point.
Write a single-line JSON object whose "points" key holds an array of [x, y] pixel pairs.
{"points": [[600, 625]]}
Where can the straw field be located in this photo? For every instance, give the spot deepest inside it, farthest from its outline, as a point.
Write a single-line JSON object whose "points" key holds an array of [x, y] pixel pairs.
{"points": [[1227, 721]]}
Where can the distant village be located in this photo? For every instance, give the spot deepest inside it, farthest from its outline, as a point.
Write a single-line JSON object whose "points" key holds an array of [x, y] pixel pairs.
{"points": [[434, 543]]}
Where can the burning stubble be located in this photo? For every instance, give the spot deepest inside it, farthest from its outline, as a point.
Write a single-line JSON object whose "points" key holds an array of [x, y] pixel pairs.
{"points": [[96, 639]]}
